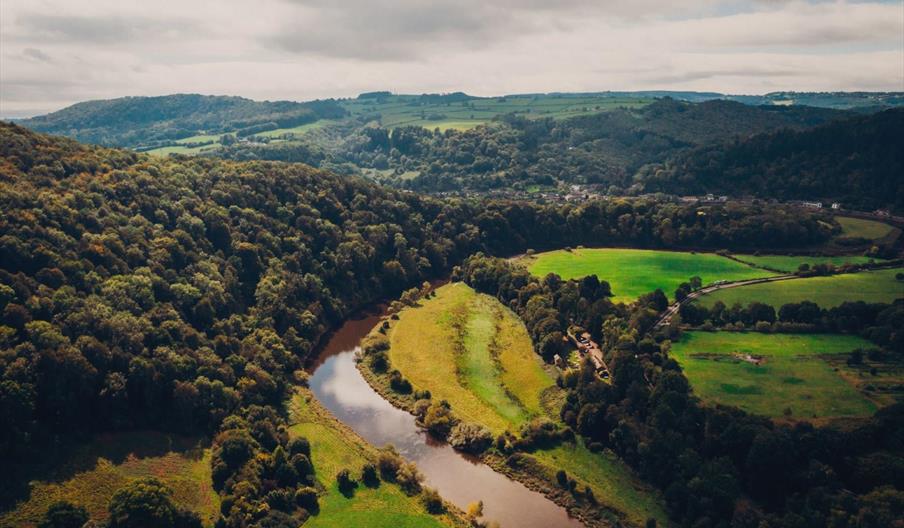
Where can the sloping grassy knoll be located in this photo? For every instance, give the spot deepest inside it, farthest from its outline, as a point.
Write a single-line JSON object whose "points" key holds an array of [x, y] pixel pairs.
{"points": [[634, 272], [791, 373], [334, 446], [790, 263], [829, 291], [91, 473], [469, 350]]}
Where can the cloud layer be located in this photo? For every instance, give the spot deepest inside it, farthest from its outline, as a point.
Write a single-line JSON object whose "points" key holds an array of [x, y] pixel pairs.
{"points": [[56, 52]]}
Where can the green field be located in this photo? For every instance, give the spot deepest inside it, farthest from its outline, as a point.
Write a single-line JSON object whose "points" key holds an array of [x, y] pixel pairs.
{"points": [[182, 149], [480, 357], [299, 130], [790, 263], [404, 110], [791, 375], [869, 286], [606, 474], [860, 228], [634, 272], [335, 447], [468, 349], [91, 473]]}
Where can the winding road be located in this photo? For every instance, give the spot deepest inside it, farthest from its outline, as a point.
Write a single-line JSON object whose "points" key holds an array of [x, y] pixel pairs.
{"points": [[673, 309]]}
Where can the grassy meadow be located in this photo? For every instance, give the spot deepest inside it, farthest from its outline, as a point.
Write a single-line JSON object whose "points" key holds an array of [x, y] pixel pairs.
{"points": [[89, 474], [334, 447], [406, 110], [611, 482], [861, 228], [634, 272], [869, 286], [790, 263], [468, 349], [793, 373]]}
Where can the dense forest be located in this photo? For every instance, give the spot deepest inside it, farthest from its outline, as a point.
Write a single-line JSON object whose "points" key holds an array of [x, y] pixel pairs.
{"points": [[716, 466], [146, 121], [184, 294], [858, 161]]}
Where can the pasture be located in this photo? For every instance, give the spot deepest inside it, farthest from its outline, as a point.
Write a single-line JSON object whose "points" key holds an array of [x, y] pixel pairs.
{"points": [[468, 349], [861, 228], [772, 374], [335, 447], [634, 272], [608, 478], [790, 263], [404, 110], [829, 291], [89, 474]]}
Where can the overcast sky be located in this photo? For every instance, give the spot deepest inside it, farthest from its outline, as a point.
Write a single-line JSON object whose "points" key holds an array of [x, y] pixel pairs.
{"points": [[57, 52]]}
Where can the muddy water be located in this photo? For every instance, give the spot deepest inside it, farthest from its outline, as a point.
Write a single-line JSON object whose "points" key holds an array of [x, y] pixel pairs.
{"points": [[339, 386]]}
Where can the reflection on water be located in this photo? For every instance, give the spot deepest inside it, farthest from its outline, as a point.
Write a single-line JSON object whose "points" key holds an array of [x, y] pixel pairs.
{"points": [[340, 388]]}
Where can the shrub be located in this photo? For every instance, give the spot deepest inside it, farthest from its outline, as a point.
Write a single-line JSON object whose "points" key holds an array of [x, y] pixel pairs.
{"points": [[438, 419], [379, 362], [389, 463], [369, 475], [64, 515], [409, 478], [562, 478], [302, 465], [432, 501], [345, 481], [148, 502], [471, 438], [399, 383], [306, 497], [763, 326]]}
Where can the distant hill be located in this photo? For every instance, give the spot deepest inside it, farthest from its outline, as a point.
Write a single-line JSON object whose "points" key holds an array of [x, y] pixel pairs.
{"points": [[858, 161], [133, 121], [520, 150]]}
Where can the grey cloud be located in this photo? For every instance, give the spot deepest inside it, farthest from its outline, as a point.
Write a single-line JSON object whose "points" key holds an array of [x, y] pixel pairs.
{"points": [[379, 31], [35, 54], [103, 30], [700, 75]]}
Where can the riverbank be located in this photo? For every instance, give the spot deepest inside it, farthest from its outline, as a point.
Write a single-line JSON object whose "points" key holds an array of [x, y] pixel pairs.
{"points": [[336, 446], [617, 496]]}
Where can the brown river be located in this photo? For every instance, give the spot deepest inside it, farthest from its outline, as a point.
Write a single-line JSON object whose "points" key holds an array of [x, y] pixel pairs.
{"points": [[460, 479]]}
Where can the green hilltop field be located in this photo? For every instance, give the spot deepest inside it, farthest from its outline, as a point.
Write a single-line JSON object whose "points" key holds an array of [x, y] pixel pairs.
{"points": [[792, 373], [634, 272]]}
